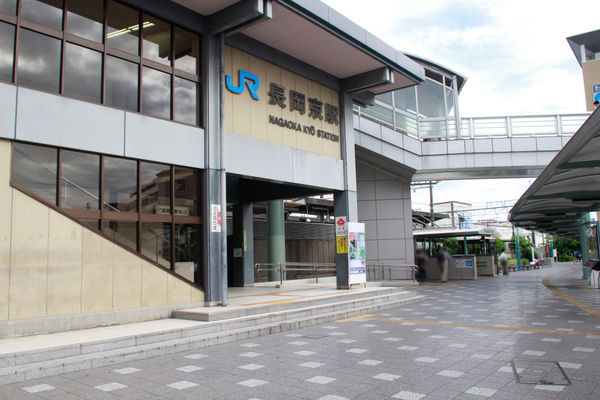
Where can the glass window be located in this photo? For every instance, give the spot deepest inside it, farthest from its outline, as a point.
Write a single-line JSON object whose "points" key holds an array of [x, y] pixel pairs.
{"points": [[156, 242], [186, 192], [385, 98], [156, 188], [187, 51], [186, 101], [45, 12], [124, 232], [187, 250], [8, 6], [157, 40], [121, 84], [34, 169], [434, 75], [83, 73], [156, 93], [80, 180], [85, 18], [405, 99], [123, 25], [7, 50], [120, 184], [383, 114], [39, 61], [431, 99], [450, 102], [448, 81]]}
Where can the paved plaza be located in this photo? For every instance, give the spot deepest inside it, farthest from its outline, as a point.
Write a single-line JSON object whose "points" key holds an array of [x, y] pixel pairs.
{"points": [[531, 335]]}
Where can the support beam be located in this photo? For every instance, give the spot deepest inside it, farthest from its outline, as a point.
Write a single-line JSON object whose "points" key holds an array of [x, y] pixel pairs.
{"points": [[366, 80], [240, 16]]}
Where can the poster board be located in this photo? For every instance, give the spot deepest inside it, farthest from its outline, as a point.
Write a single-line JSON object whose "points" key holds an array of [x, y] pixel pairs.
{"points": [[357, 262]]}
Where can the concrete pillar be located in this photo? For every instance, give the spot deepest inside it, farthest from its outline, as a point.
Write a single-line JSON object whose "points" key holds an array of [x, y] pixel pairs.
{"points": [[276, 236]]}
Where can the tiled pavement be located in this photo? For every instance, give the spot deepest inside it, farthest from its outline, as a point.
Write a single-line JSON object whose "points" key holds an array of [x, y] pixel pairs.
{"points": [[459, 344]]}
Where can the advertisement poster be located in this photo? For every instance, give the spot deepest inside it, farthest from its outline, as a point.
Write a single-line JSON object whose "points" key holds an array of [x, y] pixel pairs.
{"points": [[356, 253]]}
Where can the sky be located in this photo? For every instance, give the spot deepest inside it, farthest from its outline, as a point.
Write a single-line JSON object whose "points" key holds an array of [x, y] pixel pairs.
{"points": [[514, 54]]}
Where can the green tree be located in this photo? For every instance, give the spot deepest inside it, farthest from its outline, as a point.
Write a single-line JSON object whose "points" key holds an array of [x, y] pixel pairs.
{"points": [[524, 244], [500, 246], [565, 246], [452, 246]]}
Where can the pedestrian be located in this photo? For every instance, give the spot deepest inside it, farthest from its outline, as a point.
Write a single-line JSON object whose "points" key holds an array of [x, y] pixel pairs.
{"points": [[504, 263], [442, 260], [596, 104], [420, 260]]}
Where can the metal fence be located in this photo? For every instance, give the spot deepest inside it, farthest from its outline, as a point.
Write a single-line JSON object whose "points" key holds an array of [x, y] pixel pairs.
{"points": [[313, 269], [390, 272]]}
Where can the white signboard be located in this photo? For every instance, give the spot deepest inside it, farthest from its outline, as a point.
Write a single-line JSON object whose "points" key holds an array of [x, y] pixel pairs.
{"points": [[462, 263], [356, 253], [215, 218], [341, 226]]}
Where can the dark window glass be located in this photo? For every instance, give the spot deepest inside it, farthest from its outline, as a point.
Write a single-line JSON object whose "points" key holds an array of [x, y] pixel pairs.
{"points": [[186, 101], [39, 61], [156, 93], [121, 84], [45, 12], [186, 192], [124, 232], [34, 169], [123, 28], [83, 73], [80, 188], [187, 51], [8, 6], [7, 50], [406, 100], [431, 99], [156, 242], [434, 75], [187, 250], [157, 40], [156, 188], [120, 184], [85, 18]]}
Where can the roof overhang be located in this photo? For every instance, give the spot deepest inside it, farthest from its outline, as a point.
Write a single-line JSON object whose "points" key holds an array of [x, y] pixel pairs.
{"points": [[435, 233], [567, 189], [591, 41]]}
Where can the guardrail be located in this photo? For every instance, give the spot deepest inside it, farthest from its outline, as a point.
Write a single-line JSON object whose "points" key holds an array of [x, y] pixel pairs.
{"points": [[379, 271], [282, 268]]}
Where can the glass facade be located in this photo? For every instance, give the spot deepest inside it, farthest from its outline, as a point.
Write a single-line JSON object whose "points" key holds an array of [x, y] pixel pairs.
{"points": [[165, 229], [72, 53]]}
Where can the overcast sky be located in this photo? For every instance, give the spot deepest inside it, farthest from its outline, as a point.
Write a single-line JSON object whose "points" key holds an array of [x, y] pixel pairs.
{"points": [[514, 54]]}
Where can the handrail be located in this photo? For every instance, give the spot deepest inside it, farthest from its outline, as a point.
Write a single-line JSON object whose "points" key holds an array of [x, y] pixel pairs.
{"points": [[382, 268], [283, 268]]}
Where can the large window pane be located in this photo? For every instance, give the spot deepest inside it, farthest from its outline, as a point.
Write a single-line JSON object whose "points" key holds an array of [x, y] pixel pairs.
{"points": [[8, 6], [186, 192], [7, 51], [186, 101], [120, 184], [450, 102], [123, 28], [39, 61], [156, 242], [80, 188], [121, 84], [405, 99], [124, 232], [34, 169], [385, 98], [83, 73], [156, 93], [187, 51], [85, 18], [187, 250], [45, 12], [157, 40], [431, 99], [156, 188]]}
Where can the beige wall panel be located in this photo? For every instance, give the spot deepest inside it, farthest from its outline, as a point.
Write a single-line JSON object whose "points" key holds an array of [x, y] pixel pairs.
{"points": [[65, 257], [258, 108], [127, 280], [228, 94], [274, 132], [154, 285], [179, 291], [241, 101], [289, 137], [29, 258], [197, 295], [330, 148], [591, 77], [5, 229], [314, 91], [302, 139], [97, 273]]}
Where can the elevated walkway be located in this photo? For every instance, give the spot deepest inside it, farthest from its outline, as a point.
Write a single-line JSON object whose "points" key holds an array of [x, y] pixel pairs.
{"points": [[258, 312]]}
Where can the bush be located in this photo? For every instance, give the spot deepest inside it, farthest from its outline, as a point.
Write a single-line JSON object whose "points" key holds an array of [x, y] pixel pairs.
{"points": [[565, 258]]}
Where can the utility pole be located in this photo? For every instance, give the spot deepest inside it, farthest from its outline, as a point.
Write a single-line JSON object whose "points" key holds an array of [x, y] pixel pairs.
{"points": [[431, 202]]}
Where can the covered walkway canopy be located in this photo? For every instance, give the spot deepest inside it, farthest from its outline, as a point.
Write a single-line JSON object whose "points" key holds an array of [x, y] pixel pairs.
{"points": [[567, 189]]}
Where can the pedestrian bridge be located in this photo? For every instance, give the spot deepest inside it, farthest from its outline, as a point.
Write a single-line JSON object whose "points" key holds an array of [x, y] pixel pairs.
{"points": [[432, 149]]}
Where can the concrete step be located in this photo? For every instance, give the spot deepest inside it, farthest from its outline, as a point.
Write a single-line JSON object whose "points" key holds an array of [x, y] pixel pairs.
{"points": [[35, 364]]}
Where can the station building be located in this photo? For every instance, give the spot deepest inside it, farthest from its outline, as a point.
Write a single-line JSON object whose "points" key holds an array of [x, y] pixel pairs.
{"points": [[138, 139]]}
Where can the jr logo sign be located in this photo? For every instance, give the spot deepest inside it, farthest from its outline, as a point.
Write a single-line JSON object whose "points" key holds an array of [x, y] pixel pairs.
{"points": [[249, 80]]}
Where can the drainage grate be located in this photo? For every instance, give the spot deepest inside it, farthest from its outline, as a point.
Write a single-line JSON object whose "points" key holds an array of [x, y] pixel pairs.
{"points": [[539, 373], [315, 336]]}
